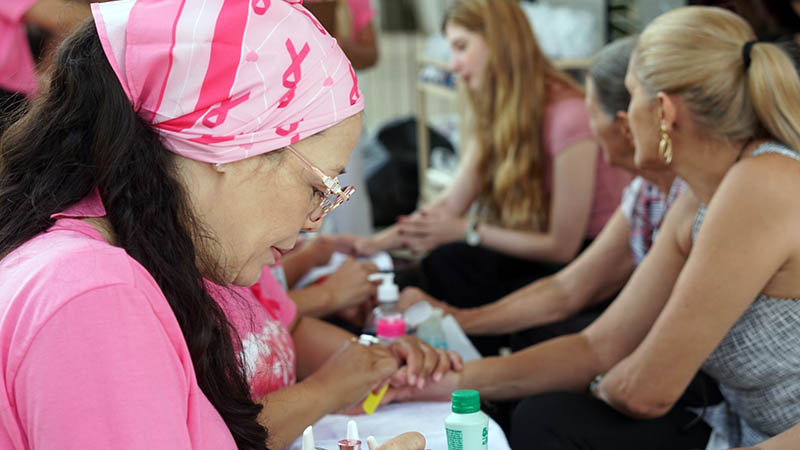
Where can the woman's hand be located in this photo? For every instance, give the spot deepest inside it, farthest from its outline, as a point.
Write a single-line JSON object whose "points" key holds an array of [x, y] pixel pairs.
{"points": [[323, 246], [353, 372], [357, 315], [319, 250], [422, 364], [425, 231], [412, 295], [439, 391], [348, 244], [387, 239], [406, 441], [349, 285]]}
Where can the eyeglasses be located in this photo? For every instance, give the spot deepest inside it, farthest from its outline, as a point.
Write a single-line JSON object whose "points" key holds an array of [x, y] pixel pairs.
{"points": [[334, 195]]}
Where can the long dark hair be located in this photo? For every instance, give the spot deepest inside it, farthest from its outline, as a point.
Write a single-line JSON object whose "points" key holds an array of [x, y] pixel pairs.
{"points": [[83, 134]]}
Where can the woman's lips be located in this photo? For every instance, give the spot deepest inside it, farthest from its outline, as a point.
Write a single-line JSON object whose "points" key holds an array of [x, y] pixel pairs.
{"points": [[276, 254]]}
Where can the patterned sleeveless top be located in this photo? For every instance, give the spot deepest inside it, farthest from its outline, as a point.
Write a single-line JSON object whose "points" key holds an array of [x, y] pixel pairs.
{"points": [[757, 364], [645, 206]]}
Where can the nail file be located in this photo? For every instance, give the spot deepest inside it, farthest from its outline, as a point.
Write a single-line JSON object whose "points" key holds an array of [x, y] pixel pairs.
{"points": [[373, 400]]}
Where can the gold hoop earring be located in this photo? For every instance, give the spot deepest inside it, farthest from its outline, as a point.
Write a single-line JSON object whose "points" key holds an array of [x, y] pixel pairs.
{"points": [[665, 144]]}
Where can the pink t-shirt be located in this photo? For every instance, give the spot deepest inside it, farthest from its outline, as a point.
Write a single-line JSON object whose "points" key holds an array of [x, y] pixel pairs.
{"points": [[566, 122], [17, 72], [362, 14], [91, 355], [261, 316]]}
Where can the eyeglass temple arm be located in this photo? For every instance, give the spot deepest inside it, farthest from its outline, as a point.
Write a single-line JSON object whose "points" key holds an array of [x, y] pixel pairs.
{"points": [[330, 183]]}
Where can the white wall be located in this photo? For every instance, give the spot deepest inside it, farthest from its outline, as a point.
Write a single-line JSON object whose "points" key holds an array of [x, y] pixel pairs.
{"points": [[650, 9], [430, 14]]}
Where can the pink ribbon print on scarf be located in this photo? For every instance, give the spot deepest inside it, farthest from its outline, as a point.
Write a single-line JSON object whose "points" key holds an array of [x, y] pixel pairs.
{"points": [[223, 80]]}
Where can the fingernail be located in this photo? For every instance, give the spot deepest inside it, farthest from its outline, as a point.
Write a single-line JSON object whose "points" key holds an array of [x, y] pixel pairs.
{"points": [[421, 383], [412, 380], [437, 377]]}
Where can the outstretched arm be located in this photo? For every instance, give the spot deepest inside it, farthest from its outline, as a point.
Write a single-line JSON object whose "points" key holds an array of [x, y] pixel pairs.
{"points": [[747, 239], [600, 271]]}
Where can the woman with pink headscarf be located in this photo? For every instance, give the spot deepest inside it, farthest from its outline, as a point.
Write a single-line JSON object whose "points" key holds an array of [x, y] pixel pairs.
{"points": [[178, 142]]}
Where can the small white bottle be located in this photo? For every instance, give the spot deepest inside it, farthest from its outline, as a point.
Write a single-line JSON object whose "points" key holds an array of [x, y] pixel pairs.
{"points": [[388, 295], [467, 426]]}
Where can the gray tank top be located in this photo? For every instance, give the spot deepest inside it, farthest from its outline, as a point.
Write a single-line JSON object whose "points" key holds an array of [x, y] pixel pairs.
{"points": [[757, 364]]}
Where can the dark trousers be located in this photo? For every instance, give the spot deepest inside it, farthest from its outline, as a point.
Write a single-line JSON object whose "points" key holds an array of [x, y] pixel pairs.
{"points": [[570, 421], [468, 277]]}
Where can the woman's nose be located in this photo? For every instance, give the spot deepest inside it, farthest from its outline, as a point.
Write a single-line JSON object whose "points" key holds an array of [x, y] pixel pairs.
{"points": [[455, 65], [312, 224]]}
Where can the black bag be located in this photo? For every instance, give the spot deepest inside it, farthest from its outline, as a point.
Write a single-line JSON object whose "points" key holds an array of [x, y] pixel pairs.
{"points": [[394, 185]]}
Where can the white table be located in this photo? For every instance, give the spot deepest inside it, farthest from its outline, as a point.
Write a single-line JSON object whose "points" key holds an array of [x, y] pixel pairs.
{"points": [[391, 420]]}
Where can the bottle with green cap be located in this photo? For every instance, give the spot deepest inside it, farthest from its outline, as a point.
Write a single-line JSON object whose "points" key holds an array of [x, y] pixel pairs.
{"points": [[467, 426]]}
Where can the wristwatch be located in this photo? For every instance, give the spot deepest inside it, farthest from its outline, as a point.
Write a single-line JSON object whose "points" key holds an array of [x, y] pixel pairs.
{"points": [[595, 384], [471, 234]]}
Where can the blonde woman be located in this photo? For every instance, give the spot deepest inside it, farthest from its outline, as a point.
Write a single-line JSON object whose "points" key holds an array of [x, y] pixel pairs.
{"points": [[719, 290], [575, 296], [532, 187]]}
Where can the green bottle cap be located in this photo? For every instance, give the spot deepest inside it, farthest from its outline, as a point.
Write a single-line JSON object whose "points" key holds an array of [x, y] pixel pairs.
{"points": [[466, 401]]}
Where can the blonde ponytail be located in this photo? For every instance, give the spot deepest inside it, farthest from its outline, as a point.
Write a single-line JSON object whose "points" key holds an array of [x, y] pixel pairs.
{"points": [[695, 52], [774, 88]]}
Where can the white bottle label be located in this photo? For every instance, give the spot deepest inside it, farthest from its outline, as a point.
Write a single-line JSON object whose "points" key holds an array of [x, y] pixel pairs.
{"points": [[467, 438]]}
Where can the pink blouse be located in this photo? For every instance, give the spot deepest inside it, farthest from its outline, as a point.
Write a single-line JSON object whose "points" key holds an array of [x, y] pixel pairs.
{"points": [[261, 316], [91, 355], [566, 122]]}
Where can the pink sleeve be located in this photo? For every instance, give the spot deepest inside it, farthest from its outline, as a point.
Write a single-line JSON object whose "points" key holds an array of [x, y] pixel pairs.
{"points": [[103, 373], [362, 13], [13, 10], [567, 122]]}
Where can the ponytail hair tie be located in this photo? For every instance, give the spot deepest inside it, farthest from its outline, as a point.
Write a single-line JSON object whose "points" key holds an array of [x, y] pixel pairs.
{"points": [[746, 48]]}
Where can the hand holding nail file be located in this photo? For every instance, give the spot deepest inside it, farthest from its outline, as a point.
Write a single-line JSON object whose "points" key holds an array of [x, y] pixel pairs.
{"points": [[389, 328], [373, 400]]}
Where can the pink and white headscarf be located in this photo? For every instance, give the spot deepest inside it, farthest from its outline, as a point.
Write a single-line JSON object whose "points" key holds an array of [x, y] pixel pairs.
{"points": [[223, 80]]}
